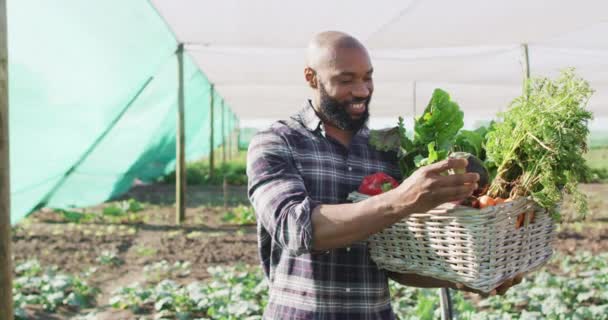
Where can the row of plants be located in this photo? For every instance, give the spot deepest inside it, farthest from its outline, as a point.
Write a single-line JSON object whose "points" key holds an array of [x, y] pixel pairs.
{"points": [[570, 287], [199, 173], [125, 211], [50, 289]]}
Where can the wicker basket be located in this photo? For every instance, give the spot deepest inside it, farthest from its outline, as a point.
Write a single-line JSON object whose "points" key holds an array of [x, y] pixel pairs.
{"points": [[478, 248]]}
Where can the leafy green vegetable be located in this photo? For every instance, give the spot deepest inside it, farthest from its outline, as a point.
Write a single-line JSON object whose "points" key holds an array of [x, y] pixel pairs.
{"points": [[538, 147], [386, 139], [440, 122], [434, 134], [472, 142]]}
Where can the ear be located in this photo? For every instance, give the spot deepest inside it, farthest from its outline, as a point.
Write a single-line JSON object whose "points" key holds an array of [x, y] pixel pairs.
{"points": [[311, 77]]}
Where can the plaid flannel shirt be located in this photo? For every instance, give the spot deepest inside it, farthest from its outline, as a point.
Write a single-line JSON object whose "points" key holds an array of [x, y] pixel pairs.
{"points": [[292, 168]]}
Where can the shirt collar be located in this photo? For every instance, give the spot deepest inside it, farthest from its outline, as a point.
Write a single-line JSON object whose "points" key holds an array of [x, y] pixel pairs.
{"points": [[309, 118]]}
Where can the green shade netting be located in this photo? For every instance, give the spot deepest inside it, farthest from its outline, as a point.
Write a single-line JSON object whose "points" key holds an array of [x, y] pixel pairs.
{"points": [[93, 101]]}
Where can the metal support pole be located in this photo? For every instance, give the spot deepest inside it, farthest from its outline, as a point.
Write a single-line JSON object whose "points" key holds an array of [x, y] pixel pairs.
{"points": [[446, 304], [180, 157]]}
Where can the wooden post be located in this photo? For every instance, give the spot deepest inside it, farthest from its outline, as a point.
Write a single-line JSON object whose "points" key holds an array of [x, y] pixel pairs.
{"points": [[6, 268], [238, 136], [223, 133], [211, 140], [230, 136], [526, 71], [225, 192], [180, 157]]}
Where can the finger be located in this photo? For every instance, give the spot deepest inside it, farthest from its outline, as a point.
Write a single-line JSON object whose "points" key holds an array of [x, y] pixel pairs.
{"points": [[446, 165], [462, 287], [502, 289], [447, 194], [457, 179]]}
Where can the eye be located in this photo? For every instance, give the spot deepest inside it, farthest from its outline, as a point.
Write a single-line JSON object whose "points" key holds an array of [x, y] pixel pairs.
{"points": [[346, 81]]}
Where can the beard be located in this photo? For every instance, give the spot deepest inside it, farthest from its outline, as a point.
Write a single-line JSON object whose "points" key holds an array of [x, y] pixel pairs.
{"points": [[335, 112]]}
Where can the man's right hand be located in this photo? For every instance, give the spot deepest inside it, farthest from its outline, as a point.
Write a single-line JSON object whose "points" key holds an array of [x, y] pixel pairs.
{"points": [[428, 187]]}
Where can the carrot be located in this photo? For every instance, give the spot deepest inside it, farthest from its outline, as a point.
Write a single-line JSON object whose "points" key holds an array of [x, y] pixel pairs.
{"points": [[520, 220], [486, 201]]}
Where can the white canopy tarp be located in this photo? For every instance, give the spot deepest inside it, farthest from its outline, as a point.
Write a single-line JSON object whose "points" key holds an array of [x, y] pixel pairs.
{"points": [[254, 50]]}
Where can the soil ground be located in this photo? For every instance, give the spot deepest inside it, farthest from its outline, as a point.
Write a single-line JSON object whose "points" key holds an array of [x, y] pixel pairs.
{"points": [[203, 239]]}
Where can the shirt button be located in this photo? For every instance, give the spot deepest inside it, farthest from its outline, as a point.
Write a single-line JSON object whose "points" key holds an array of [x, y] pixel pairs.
{"points": [[347, 249], [347, 289], [350, 168]]}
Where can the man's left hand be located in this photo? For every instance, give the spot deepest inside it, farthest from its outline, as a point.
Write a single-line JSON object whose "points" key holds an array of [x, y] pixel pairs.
{"points": [[500, 290]]}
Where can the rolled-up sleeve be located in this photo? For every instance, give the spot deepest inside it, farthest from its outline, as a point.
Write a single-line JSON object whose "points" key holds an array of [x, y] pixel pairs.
{"points": [[278, 193]]}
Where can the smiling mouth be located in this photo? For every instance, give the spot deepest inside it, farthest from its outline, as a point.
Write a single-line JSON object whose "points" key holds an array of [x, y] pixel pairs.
{"points": [[358, 106]]}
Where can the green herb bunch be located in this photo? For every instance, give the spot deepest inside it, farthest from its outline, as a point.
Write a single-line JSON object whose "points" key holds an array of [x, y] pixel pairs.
{"points": [[537, 149]]}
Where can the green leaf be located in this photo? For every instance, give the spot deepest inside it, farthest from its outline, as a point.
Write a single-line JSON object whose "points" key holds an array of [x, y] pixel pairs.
{"points": [[441, 121], [385, 139], [471, 142]]}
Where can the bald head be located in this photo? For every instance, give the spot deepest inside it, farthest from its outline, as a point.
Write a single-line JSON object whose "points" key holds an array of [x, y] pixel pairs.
{"points": [[323, 49], [339, 71]]}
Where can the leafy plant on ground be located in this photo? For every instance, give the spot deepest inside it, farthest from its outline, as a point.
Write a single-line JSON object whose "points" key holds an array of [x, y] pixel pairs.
{"points": [[46, 287], [241, 215], [233, 293], [575, 288], [109, 258], [198, 173], [144, 251], [123, 211], [154, 273], [75, 216], [114, 212]]}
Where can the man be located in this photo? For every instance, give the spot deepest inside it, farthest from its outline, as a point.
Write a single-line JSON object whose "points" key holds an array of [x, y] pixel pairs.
{"points": [[311, 240]]}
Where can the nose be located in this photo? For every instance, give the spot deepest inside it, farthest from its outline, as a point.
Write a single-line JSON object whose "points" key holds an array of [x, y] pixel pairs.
{"points": [[361, 90]]}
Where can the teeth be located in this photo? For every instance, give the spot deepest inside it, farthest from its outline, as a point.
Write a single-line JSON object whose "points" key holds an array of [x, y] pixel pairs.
{"points": [[358, 106]]}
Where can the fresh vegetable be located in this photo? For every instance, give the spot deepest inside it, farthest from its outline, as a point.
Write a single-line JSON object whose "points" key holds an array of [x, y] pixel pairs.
{"points": [[521, 218], [434, 134], [486, 201], [475, 165], [377, 183], [473, 142], [537, 149]]}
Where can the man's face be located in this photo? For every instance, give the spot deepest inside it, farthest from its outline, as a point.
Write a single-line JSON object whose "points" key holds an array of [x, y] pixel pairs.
{"points": [[345, 89], [348, 115]]}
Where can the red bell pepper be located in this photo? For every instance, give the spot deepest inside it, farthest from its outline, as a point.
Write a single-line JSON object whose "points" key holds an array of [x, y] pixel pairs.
{"points": [[377, 183]]}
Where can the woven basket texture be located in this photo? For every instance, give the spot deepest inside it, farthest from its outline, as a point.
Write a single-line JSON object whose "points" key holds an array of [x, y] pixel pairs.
{"points": [[479, 248]]}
